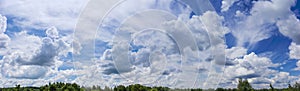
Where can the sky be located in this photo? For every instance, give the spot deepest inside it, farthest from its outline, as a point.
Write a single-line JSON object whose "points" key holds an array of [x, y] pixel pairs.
{"points": [[173, 43]]}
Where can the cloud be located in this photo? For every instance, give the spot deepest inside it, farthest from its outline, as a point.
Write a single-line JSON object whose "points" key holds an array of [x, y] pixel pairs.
{"points": [[24, 71], [52, 32], [259, 23], [32, 57], [298, 65], [40, 14], [235, 52], [161, 63], [294, 51], [3, 24], [257, 70], [226, 4], [290, 27], [212, 23], [45, 57], [192, 48], [252, 67], [4, 39], [250, 64], [118, 14]]}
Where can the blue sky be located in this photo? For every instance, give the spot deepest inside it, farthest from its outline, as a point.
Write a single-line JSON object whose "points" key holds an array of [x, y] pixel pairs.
{"points": [[174, 43]]}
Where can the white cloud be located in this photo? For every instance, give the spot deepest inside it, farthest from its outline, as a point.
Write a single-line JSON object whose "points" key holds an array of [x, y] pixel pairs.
{"points": [[298, 65], [212, 23], [251, 67], [159, 59], [290, 27], [235, 52], [172, 38], [23, 71], [256, 26], [52, 32], [238, 13], [40, 14], [4, 39], [294, 51], [226, 4], [248, 65], [2, 24], [295, 54], [32, 57]]}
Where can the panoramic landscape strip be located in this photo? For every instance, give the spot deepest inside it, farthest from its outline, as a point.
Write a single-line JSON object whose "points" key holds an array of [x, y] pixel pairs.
{"points": [[149, 45], [243, 85]]}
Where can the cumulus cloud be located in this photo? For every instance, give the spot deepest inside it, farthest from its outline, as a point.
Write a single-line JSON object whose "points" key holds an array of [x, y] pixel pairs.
{"points": [[190, 53], [175, 39], [2, 24], [52, 32], [32, 57], [235, 52], [24, 71], [226, 4], [294, 51], [256, 70], [248, 66], [4, 39], [256, 26], [290, 27], [39, 14], [298, 65], [117, 15], [263, 16], [212, 23]]}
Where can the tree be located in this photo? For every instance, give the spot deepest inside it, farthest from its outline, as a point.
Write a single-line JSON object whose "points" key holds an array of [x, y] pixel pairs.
{"points": [[244, 85], [297, 86], [271, 87], [107, 88], [17, 88], [120, 88], [52, 87], [220, 89]]}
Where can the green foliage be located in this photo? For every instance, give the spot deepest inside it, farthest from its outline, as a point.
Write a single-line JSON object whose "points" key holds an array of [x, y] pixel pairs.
{"points": [[59, 86], [243, 85], [120, 88]]}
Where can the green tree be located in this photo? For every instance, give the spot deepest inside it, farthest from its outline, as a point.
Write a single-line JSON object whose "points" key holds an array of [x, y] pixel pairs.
{"points": [[120, 88], [220, 89], [297, 86], [244, 85], [17, 88]]}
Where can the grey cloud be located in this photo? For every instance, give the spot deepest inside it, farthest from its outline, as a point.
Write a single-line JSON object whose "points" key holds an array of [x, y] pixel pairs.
{"points": [[34, 58], [4, 39], [109, 69], [254, 75], [2, 24], [52, 32], [45, 57]]}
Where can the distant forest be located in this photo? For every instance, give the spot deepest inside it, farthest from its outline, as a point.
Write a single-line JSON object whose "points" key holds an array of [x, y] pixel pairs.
{"points": [[243, 85]]}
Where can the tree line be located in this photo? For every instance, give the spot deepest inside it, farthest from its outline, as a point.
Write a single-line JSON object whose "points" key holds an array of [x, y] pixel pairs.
{"points": [[243, 85]]}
